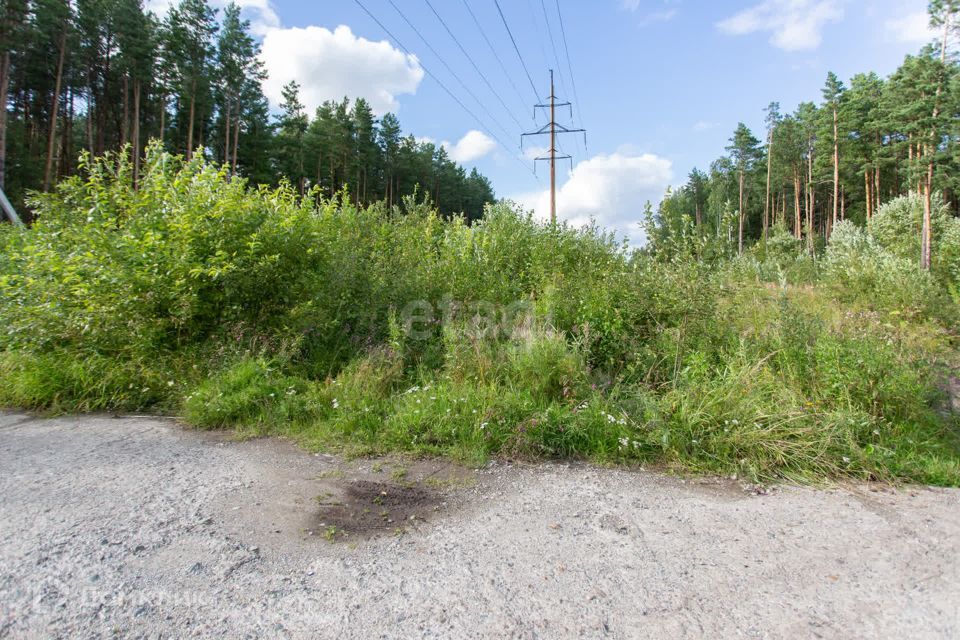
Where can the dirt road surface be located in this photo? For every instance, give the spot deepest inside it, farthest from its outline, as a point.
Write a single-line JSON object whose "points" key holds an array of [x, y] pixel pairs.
{"points": [[135, 527]]}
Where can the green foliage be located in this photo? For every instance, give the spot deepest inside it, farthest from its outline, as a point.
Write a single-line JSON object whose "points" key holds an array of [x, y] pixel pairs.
{"points": [[858, 268], [192, 77], [896, 227], [391, 328], [250, 395]]}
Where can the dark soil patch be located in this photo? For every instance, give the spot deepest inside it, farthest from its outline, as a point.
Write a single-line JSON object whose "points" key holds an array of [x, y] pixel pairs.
{"points": [[365, 508]]}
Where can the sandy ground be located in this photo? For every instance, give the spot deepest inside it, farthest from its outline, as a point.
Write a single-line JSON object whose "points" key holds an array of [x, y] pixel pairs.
{"points": [[134, 527]]}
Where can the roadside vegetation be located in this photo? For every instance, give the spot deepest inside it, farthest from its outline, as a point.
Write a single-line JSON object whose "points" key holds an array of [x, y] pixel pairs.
{"points": [[394, 329]]}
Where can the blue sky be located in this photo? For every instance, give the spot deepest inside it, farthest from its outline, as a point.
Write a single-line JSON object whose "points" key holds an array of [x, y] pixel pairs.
{"points": [[661, 83]]}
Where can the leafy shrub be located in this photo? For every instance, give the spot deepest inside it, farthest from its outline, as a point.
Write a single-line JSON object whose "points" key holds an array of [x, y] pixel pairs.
{"points": [[254, 309], [897, 225], [857, 268]]}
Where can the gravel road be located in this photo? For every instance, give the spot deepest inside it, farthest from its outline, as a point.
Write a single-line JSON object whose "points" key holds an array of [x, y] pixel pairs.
{"points": [[135, 527]]}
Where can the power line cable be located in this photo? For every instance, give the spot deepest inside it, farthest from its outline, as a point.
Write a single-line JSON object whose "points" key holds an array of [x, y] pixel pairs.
{"points": [[477, 68], [539, 34], [573, 82], [516, 48], [493, 50], [442, 85], [556, 58], [449, 68]]}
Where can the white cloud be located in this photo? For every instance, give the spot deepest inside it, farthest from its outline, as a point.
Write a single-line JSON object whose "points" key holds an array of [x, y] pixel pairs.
{"points": [[704, 125], [794, 25], [912, 28], [472, 146], [159, 7], [611, 189], [263, 18], [534, 152], [332, 64], [328, 65]]}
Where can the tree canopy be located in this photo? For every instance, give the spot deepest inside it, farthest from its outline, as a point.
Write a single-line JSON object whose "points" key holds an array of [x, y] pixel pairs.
{"points": [[98, 75]]}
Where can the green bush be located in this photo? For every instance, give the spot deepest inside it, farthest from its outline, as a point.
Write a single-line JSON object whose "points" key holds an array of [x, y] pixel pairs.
{"points": [[896, 227], [381, 329], [858, 268]]}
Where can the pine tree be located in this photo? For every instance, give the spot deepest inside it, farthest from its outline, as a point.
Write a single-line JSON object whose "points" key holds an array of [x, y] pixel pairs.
{"points": [[773, 117], [137, 37], [238, 66], [389, 141], [191, 27], [365, 146], [833, 91], [863, 116], [744, 152], [13, 15], [291, 130]]}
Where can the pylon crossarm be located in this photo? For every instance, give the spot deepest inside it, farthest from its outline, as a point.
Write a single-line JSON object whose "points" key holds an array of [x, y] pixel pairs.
{"points": [[556, 104], [545, 129]]}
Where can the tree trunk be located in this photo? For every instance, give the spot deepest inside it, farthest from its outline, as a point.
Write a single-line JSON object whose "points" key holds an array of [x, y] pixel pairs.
{"points": [[866, 191], [125, 128], [766, 204], [136, 132], [876, 186], [4, 89], [836, 168], [810, 202], [51, 140], [926, 234], [163, 116], [226, 134], [89, 122], [193, 103], [236, 141], [740, 228], [102, 108], [66, 148]]}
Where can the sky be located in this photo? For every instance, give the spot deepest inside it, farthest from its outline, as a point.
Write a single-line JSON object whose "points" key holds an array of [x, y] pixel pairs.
{"points": [[660, 85]]}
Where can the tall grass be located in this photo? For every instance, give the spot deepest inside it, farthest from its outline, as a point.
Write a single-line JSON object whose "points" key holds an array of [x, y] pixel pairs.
{"points": [[384, 329]]}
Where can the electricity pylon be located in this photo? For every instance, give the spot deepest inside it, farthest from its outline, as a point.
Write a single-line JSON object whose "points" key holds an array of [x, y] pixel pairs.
{"points": [[553, 128]]}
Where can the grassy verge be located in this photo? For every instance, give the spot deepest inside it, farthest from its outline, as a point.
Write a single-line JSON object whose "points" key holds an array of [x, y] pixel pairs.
{"points": [[381, 330]]}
